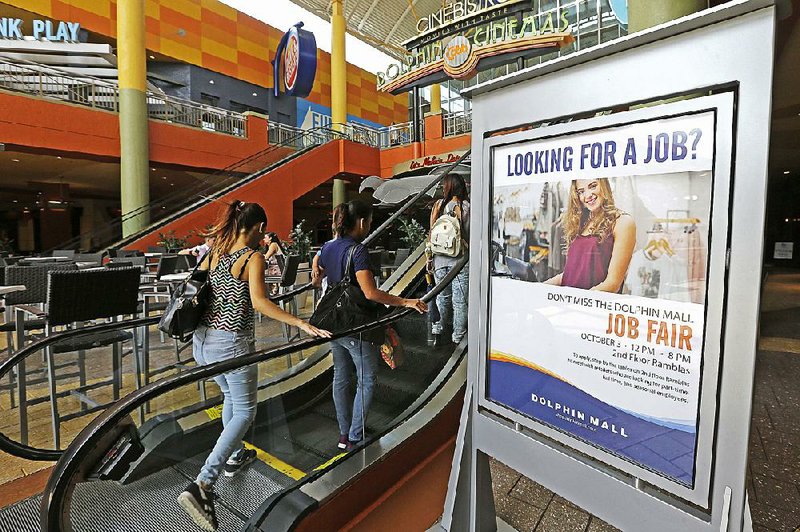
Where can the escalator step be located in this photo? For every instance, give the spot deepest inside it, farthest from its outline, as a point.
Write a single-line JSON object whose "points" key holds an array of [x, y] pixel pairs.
{"points": [[22, 516], [146, 505], [245, 492]]}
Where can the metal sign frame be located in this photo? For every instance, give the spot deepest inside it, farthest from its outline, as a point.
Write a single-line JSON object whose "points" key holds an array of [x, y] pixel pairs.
{"points": [[699, 54]]}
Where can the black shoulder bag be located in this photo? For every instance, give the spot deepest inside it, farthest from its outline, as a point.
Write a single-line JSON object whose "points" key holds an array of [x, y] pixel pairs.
{"points": [[344, 306], [187, 304]]}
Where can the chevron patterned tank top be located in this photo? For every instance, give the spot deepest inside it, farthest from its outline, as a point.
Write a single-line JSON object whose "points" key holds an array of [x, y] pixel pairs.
{"points": [[230, 307]]}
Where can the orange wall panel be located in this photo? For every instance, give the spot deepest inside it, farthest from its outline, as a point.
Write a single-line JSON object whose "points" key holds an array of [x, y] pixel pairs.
{"points": [[277, 190], [28, 121], [212, 35]]}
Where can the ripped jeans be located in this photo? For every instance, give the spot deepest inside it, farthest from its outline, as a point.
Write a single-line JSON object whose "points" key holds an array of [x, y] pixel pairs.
{"points": [[452, 302]]}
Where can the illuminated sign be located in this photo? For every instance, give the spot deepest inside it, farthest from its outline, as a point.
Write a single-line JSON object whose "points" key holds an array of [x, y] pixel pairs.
{"points": [[12, 28], [459, 10], [437, 56], [297, 51]]}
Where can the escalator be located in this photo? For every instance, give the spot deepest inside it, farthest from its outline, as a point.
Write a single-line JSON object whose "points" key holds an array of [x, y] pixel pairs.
{"points": [[295, 433], [139, 460]]}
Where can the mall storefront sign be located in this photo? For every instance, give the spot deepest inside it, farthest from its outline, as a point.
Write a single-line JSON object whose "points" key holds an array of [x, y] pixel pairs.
{"points": [[14, 29], [479, 39], [429, 161], [313, 115]]}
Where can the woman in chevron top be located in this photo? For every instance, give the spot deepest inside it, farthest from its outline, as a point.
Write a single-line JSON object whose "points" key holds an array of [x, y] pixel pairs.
{"points": [[226, 331]]}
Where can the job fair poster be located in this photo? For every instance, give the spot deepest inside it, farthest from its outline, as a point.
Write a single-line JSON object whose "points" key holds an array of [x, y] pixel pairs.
{"points": [[598, 290]]}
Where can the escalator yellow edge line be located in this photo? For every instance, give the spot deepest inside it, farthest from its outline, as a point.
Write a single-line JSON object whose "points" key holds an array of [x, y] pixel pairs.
{"points": [[276, 463], [329, 462]]}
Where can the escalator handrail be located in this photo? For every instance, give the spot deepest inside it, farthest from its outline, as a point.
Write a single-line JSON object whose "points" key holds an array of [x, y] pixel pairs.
{"points": [[375, 234], [54, 496], [15, 448]]}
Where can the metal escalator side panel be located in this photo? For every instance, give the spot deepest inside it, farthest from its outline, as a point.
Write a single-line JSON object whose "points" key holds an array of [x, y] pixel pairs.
{"points": [[416, 431]]}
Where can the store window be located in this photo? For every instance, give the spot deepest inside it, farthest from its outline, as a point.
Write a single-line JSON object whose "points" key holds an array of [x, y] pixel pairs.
{"points": [[209, 99]]}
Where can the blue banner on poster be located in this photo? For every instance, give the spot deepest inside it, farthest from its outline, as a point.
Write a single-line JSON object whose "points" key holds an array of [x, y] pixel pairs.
{"points": [[297, 52], [598, 306], [311, 115]]}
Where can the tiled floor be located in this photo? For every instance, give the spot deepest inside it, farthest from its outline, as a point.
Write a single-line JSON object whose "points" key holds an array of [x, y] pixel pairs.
{"points": [[774, 471]]}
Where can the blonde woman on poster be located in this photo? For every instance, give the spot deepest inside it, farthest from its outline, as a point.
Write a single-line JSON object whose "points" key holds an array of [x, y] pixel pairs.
{"points": [[599, 238]]}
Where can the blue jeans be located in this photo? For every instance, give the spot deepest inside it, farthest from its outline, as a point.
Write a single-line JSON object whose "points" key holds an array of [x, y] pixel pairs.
{"points": [[452, 302], [347, 352], [239, 390]]}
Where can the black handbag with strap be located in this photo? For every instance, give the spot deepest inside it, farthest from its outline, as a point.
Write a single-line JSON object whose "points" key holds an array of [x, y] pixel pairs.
{"points": [[344, 306], [187, 304]]}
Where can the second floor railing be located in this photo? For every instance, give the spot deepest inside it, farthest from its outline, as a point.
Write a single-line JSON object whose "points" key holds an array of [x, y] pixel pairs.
{"points": [[458, 123], [50, 82]]}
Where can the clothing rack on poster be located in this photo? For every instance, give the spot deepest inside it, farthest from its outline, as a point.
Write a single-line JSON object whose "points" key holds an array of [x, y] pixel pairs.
{"points": [[676, 221]]}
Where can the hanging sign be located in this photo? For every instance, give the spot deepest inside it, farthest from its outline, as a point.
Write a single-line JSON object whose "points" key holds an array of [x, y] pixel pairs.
{"points": [[297, 52], [485, 35], [598, 310]]}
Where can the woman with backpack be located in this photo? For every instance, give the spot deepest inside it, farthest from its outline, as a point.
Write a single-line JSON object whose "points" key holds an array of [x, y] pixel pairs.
{"points": [[351, 222], [236, 274], [452, 301]]}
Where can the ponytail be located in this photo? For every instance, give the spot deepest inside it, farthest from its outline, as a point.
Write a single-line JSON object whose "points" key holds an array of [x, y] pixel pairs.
{"points": [[234, 218], [345, 216]]}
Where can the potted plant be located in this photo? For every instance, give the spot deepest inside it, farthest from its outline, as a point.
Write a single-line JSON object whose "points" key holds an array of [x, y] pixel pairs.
{"points": [[300, 244], [171, 242], [412, 234]]}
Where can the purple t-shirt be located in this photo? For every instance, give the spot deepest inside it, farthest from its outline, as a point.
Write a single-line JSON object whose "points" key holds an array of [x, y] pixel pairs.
{"points": [[333, 256]]}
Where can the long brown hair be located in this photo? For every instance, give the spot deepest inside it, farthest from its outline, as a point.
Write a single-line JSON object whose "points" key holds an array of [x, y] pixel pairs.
{"points": [[576, 217], [453, 186], [345, 215], [234, 218]]}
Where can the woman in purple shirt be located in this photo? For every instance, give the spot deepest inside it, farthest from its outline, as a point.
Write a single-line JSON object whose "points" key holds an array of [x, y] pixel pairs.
{"points": [[599, 238]]}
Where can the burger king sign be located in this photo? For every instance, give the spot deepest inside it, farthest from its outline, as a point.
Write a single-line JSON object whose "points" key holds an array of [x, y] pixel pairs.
{"points": [[297, 51]]}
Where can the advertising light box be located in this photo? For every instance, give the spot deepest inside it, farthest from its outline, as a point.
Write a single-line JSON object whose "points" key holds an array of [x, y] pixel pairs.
{"points": [[598, 294]]}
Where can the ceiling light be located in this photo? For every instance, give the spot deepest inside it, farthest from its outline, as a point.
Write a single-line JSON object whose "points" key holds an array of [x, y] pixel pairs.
{"points": [[211, 81], [15, 160], [152, 169], [255, 94], [786, 172], [163, 177], [152, 57], [14, 201], [58, 157]]}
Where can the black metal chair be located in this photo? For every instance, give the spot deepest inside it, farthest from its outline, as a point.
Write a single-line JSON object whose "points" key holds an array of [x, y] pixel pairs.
{"points": [[123, 253], [139, 262], [77, 297], [16, 326], [185, 263], [89, 257], [287, 282], [68, 253], [167, 264]]}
